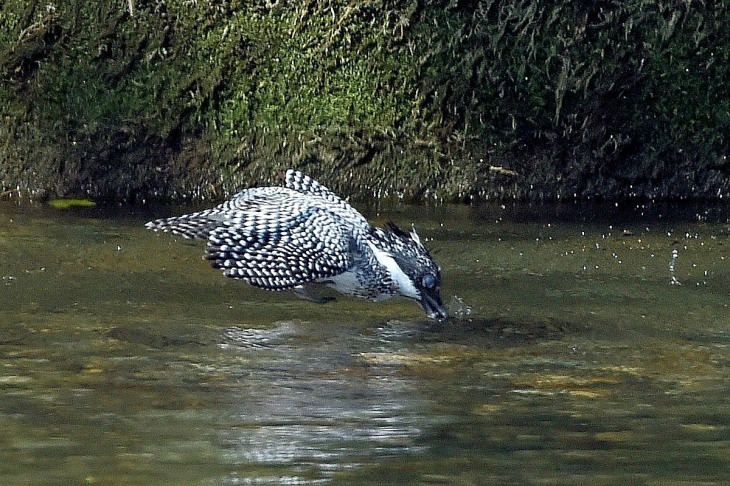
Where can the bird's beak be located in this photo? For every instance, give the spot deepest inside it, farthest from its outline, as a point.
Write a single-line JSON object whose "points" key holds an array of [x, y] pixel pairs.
{"points": [[433, 306]]}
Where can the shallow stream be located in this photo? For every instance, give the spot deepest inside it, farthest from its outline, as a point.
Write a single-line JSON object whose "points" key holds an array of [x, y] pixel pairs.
{"points": [[588, 344]]}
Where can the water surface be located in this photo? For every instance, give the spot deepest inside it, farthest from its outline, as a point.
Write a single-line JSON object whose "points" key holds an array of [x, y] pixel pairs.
{"points": [[588, 344]]}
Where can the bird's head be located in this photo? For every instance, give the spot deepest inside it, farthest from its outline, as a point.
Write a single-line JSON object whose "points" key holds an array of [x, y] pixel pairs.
{"points": [[423, 274]]}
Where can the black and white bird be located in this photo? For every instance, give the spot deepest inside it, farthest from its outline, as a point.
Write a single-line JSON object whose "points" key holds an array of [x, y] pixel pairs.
{"points": [[280, 238]]}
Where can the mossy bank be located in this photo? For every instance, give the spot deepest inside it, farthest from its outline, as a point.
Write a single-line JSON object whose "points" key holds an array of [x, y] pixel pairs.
{"points": [[192, 99]]}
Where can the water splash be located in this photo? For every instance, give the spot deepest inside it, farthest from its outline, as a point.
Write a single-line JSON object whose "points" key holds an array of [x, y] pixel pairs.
{"points": [[458, 308], [672, 277]]}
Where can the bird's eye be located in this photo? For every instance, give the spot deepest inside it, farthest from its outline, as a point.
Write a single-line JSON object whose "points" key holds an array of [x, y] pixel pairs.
{"points": [[429, 281]]}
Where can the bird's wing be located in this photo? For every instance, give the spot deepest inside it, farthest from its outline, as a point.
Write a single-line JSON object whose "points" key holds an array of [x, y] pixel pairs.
{"points": [[273, 203], [195, 225], [277, 237], [304, 184], [280, 250], [258, 203]]}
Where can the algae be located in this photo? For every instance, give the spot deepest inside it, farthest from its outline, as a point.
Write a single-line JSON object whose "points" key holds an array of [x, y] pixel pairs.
{"points": [[71, 203]]}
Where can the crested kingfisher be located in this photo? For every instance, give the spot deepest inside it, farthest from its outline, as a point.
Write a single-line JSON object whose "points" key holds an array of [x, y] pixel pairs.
{"points": [[280, 238]]}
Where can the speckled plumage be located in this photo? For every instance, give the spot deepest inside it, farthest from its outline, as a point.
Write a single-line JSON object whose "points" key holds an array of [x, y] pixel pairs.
{"points": [[281, 238]]}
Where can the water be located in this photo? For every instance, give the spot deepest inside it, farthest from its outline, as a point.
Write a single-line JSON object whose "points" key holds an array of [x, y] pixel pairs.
{"points": [[590, 344]]}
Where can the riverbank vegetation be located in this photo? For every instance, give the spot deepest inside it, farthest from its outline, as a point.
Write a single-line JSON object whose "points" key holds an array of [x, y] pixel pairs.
{"points": [[447, 99]]}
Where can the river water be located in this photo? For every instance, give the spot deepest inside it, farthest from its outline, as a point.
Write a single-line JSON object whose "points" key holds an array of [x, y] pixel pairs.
{"points": [[588, 344]]}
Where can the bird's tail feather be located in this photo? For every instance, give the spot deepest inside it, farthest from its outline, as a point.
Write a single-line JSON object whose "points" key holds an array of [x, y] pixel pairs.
{"points": [[198, 228]]}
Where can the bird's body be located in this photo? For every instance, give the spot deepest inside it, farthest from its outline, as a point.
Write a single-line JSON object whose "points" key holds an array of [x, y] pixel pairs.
{"points": [[281, 238]]}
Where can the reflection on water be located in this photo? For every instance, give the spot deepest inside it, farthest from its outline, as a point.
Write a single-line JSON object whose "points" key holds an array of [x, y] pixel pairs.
{"points": [[571, 356], [322, 411]]}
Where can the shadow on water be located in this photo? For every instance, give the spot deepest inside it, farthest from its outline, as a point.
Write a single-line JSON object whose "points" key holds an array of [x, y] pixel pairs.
{"points": [[491, 332], [575, 354]]}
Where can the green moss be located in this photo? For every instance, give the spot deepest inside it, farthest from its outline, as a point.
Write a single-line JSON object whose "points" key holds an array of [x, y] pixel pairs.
{"points": [[403, 97], [71, 203]]}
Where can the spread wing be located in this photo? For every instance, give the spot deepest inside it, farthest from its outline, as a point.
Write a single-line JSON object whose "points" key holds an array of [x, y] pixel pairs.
{"points": [[277, 237], [304, 184], [277, 254], [264, 203]]}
